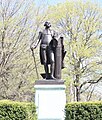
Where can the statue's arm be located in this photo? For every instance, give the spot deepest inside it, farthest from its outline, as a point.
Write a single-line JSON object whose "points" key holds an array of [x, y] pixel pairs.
{"points": [[55, 35], [34, 45]]}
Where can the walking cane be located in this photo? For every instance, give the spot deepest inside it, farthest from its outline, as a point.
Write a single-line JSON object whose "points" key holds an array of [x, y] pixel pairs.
{"points": [[35, 63]]}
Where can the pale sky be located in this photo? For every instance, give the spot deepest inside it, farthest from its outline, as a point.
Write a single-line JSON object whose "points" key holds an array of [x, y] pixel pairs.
{"points": [[49, 2], [52, 2]]}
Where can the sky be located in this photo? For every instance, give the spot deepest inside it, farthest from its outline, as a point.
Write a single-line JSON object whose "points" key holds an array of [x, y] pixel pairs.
{"points": [[52, 2], [59, 1], [49, 2], [55, 1]]}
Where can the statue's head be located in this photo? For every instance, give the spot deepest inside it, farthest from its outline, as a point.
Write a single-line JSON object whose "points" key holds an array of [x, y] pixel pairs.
{"points": [[47, 24]]}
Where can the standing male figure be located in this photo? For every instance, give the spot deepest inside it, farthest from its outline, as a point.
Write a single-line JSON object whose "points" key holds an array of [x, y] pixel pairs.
{"points": [[48, 42]]}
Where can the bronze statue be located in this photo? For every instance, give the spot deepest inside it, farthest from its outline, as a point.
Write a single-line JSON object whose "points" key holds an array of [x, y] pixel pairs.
{"points": [[49, 43]]}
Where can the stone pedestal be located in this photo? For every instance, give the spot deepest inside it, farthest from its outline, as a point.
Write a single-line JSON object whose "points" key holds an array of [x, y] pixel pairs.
{"points": [[50, 99]]}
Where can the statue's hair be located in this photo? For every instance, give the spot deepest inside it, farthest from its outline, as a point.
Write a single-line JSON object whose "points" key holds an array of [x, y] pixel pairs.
{"points": [[47, 24]]}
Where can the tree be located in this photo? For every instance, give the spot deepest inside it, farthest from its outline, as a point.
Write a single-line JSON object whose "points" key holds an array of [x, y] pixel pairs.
{"points": [[19, 26], [81, 23]]}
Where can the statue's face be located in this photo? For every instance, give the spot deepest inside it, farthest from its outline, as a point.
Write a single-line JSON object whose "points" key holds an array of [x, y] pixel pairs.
{"points": [[47, 24]]}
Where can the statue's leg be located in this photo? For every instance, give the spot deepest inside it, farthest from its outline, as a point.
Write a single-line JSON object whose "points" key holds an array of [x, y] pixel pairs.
{"points": [[52, 67], [44, 57], [46, 71]]}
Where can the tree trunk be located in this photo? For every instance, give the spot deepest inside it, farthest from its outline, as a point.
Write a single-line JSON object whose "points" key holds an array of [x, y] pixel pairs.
{"points": [[77, 94], [77, 89]]}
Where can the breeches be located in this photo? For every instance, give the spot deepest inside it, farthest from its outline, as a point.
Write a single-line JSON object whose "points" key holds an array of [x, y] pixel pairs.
{"points": [[47, 55]]}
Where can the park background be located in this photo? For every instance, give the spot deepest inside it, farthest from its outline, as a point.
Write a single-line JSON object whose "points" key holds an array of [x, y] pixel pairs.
{"points": [[79, 21]]}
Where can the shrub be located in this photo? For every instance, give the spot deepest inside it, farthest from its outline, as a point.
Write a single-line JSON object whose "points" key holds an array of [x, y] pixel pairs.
{"points": [[83, 111], [10, 110]]}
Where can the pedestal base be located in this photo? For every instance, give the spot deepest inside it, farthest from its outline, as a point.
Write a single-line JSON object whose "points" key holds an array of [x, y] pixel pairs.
{"points": [[50, 99]]}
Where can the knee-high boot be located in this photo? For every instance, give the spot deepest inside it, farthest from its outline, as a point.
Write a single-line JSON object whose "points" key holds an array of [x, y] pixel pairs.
{"points": [[46, 71], [52, 70]]}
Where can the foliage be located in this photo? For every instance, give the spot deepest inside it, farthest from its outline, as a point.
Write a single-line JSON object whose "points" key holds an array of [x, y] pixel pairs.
{"points": [[19, 26], [83, 111], [81, 24], [17, 110]]}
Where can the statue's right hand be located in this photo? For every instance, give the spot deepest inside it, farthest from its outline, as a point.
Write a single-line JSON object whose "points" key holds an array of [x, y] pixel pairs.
{"points": [[32, 47]]}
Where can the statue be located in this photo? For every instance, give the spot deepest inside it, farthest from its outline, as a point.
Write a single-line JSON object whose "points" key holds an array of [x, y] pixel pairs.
{"points": [[49, 42]]}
